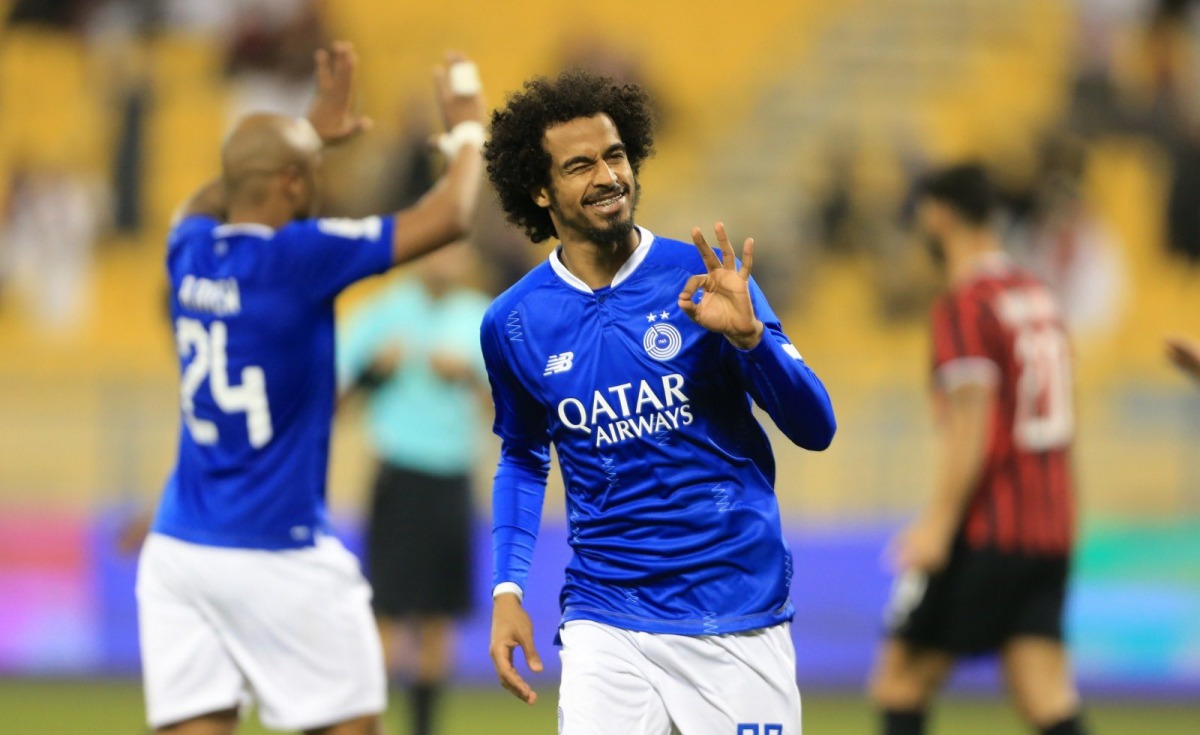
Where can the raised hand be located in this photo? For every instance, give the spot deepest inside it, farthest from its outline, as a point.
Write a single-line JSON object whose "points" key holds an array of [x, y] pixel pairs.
{"points": [[332, 112], [461, 102], [923, 546], [512, 629], [725, 306]]}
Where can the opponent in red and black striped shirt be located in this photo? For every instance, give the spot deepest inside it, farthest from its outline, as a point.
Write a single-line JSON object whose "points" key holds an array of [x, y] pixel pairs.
{"points": [[999, 327], [984, 567]]}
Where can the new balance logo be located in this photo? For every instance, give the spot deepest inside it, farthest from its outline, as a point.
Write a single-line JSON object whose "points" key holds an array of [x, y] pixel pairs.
{"points": [[560, 363]]}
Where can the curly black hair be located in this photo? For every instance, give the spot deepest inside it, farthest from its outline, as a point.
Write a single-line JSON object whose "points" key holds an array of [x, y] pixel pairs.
{"points": [[517, 162]]}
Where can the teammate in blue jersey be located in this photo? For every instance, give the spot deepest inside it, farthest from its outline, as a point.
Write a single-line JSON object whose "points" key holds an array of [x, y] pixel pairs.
{"points": [[639, 357], [243, 595]]}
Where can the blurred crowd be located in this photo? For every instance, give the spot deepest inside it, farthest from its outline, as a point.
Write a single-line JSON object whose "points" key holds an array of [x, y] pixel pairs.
{"points": [[56, 206], [110, 113], [1136, 72]]}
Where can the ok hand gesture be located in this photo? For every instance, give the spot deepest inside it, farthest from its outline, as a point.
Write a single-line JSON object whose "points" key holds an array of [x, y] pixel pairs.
{"points": [[725, 306]]}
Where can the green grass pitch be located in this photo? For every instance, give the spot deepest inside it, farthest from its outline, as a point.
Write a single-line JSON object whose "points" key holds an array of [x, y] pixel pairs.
{"points": [[115, 708]]}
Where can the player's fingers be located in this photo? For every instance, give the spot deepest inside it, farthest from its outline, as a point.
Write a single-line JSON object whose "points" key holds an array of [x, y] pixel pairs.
{"points": [[507, 673], [1181, 349], [706, 252], [337, 58], [321, 57], [513, 683], [501, 654], [690, 287], [747, 259], [361, 125], [349, 64], [531, 655], [723, 243]]}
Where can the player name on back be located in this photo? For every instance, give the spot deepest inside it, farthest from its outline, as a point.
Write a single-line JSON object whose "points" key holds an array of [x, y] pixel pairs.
{"points": [[221, 298]]}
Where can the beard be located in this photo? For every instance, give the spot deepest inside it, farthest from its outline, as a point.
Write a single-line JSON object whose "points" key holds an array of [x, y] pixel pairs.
{"points": [[613, 234], [936, 250]]}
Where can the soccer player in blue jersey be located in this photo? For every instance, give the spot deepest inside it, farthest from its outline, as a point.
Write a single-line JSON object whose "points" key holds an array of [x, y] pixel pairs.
{"points": [[243, 594], [639, 357]]}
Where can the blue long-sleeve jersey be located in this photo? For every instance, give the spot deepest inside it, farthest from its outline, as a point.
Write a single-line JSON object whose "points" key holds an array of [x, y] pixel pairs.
{"points": [[669, 478]]}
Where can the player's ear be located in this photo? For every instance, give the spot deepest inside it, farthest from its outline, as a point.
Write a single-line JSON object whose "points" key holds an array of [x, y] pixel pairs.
{"points": [[938, 215], [541, 196]]}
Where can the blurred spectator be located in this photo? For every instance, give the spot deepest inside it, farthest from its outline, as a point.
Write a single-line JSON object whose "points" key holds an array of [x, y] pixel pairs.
{"points": [[1170, 55], [64, 15], [46, 233], [1171, 48], [593, 54], [120, 33], [270, 55], [415, 351], [1096, 106], [49, 216], [404, 168], [407, 166], [1061, 240]]}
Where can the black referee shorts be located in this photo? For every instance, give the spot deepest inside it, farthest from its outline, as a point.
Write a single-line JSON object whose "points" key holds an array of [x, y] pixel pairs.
{"points": [[980, 601], [419, 544]]}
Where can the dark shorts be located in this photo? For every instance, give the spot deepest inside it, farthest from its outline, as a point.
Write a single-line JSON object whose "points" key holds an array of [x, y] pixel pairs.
{"points": [[419, 543], [980, 601]]}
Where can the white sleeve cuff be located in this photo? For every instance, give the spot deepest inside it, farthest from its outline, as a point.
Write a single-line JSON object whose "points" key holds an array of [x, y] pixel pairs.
{"points": [[505, 588]]}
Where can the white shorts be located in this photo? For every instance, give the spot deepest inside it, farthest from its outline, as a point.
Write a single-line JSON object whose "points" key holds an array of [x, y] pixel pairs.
{"points": [[621, 681], [291, 631]]}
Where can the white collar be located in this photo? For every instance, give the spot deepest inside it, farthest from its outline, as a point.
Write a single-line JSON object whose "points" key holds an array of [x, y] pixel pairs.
{"points": [[625, 271], [243, 228]]}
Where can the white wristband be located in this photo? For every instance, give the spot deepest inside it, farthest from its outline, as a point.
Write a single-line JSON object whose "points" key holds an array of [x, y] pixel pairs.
{"points": [[469, 132], [304, 135], [505, 588]]}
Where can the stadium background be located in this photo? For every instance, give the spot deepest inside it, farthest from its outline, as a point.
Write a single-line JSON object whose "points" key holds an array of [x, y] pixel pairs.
{"points": [[800, 123]]}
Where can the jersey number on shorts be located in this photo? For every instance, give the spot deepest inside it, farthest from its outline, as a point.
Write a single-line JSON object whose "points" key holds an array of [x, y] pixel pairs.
{"points": [[1044, 417], [207, 347], [744, 728]]}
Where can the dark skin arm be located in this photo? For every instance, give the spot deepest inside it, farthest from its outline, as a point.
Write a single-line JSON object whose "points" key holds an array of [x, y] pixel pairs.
{"points": [[962, 438], [443, 215], [446, 211], [331, 114]]}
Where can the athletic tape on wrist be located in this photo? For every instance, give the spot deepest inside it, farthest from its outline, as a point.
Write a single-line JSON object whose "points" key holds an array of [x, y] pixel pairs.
{"points": [[508, 588], [469, 132], [464, 78]]}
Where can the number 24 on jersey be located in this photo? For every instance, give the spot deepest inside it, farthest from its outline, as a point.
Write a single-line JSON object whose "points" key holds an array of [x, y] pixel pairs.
{"points": [[207, 348]]}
